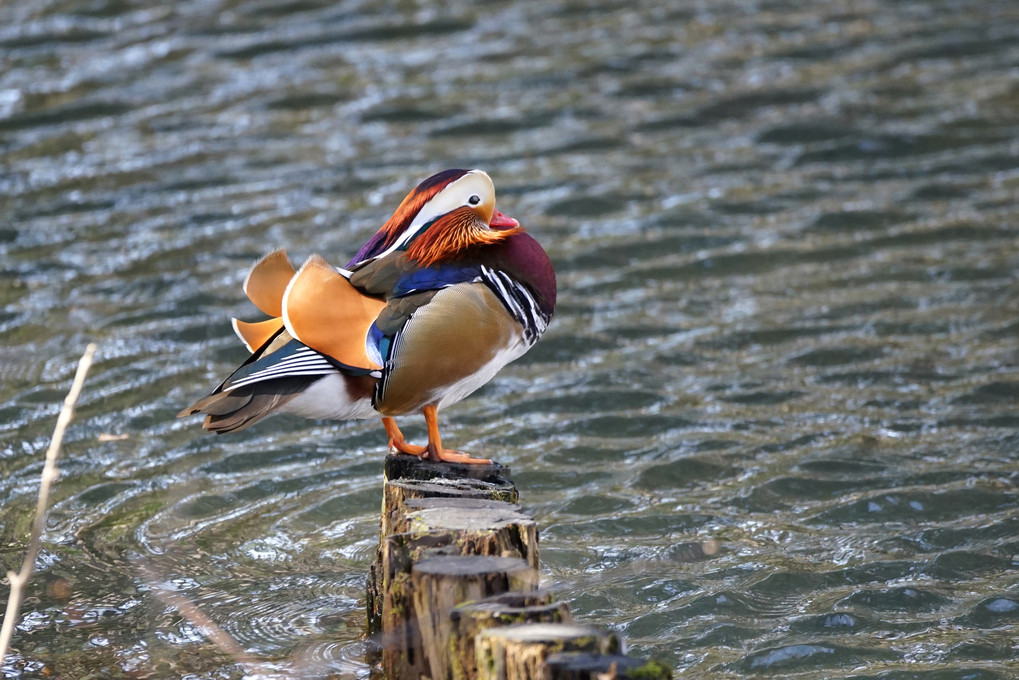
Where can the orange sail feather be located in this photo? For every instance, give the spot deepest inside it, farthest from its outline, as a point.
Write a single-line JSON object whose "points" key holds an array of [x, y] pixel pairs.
{"points": [[267, 282], [325, 312], [254, 335]]}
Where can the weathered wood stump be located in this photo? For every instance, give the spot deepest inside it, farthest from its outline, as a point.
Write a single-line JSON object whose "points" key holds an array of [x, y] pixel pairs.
{"points": [[452, 594], [400, 521], [511, 608], [497, 531], [519, 652], [401, 466], [441, 583], [397, 496], [427, 515], [407, 479], [449, 526], [587, 666]]}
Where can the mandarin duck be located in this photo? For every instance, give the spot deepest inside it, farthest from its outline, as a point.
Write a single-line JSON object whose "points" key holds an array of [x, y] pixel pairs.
{"points": [[444, 295]]}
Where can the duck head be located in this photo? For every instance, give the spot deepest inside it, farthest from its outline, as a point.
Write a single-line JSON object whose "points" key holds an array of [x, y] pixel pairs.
{"points": [[442, 217]]}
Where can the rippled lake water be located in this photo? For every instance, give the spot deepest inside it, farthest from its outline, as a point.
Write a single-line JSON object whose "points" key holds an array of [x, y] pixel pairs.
{"points": [[772, 430]]}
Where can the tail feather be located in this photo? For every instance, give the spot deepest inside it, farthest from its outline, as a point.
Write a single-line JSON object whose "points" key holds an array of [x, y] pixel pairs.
{"points": [[256, 408], [244, 406]]}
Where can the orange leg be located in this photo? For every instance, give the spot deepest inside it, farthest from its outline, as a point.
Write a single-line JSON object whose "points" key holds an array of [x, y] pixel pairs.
{"points": [[396, 440], [435, 450]]}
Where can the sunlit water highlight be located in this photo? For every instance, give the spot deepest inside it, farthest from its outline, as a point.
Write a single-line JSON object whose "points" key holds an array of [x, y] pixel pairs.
{"points": [[771, 431]]}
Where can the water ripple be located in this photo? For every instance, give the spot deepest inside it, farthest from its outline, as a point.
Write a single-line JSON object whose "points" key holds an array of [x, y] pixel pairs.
{"points": [[770, 432]]}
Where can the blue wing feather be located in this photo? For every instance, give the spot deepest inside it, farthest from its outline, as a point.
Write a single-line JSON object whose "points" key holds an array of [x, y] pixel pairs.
{"points": [[434, 278]]}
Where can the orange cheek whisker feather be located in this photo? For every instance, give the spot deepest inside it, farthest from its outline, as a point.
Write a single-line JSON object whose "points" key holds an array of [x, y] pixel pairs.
{"points": [[454, 233]]}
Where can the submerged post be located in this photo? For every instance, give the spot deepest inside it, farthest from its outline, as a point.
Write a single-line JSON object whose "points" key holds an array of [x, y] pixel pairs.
{"points": [[519, 652]]}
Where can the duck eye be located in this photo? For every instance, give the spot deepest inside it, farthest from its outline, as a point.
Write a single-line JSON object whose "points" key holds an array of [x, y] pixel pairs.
{"points": [[474, 200]]}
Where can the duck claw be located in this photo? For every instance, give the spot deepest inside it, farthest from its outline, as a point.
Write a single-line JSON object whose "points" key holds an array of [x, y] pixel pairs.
{"points": [[450, 456]]}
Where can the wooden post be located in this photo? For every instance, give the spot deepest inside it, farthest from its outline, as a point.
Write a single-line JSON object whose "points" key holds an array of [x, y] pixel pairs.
{"points": [[397, 496], [448, 518], [501, 532], [587, 666], [452, 594], [512, 608], [402, 466], [407, 479], [441, 583], [399, 521], [519, 652]]}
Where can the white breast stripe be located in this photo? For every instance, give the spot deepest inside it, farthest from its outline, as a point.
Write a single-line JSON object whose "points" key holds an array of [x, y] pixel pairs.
{"points": [[501, 282], [540, 320], [518, 301]]}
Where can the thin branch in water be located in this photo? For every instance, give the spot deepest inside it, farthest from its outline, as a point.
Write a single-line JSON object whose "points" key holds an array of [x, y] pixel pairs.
{"points": [[19, 580], [219, 637]]}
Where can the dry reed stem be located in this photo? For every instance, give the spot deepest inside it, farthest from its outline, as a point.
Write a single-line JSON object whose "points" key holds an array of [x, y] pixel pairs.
{"points": [[219, 637], [19, 580]]}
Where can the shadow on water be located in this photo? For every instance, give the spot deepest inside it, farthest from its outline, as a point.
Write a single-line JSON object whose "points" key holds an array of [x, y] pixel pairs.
{"points": [[771, 431]]}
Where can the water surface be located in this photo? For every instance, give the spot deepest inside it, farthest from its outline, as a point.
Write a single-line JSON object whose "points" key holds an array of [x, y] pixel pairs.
{"points": [[771, 431]]}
